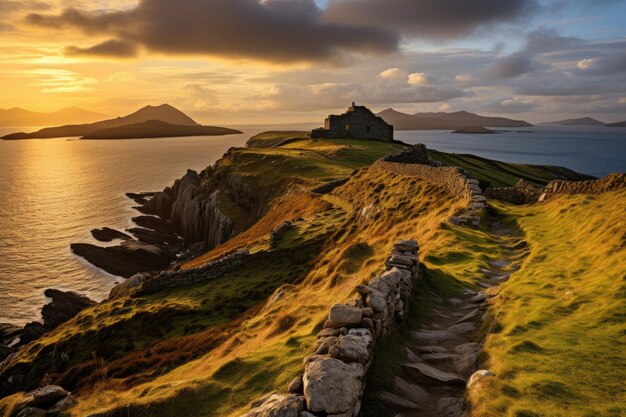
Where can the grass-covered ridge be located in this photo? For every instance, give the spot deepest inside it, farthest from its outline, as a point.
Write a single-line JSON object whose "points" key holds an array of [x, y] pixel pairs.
{"points": [[557, 345]]}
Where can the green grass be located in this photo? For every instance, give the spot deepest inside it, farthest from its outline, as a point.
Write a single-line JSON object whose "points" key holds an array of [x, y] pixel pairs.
{"points": [[492, 173], [560, 351]]}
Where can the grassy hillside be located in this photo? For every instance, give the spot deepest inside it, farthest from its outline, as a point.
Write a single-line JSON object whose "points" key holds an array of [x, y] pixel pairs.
{"points": [[558, 343], [208, 350], [493, 173]]}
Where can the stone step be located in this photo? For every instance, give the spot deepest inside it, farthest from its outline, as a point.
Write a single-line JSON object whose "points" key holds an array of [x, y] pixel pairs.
{"points": [[438, 357], [396, 401], [428, 374], [411, 392]]}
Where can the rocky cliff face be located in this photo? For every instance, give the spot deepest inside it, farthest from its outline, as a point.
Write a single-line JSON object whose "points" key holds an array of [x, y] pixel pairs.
{"points": [[194, 204]]}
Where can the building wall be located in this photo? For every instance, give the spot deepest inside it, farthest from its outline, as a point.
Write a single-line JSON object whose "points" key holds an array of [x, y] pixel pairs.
{"points": [[357, 122]]}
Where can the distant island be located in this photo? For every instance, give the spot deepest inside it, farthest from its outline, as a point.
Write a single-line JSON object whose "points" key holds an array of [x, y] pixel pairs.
{"points": [[582, 121], [445, 121], [70, 115], [173, 123], [474, 130], [157, 129], [617, 124]]}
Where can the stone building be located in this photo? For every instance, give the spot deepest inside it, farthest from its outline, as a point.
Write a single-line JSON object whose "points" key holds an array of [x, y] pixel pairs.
{"points": [[357, 122]]}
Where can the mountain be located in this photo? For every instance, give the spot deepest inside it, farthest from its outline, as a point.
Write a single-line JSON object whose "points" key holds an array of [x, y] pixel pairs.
{"points": [[582, 121], [442, 120], [70, 115], [164, 113], [157, 129], [617, 124]]}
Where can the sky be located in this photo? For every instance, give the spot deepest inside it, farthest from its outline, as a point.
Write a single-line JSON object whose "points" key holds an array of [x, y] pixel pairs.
{"points": [[283, 61]]}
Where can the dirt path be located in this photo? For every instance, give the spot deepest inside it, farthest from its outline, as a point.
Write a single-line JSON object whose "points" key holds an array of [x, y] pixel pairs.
{"points": [[441, 355]]}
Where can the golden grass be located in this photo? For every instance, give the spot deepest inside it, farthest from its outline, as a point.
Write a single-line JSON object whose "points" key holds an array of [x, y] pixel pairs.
{"points": [[558, 343]]}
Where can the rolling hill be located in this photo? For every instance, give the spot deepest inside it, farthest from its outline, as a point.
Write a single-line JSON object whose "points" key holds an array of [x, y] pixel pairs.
{"points": [[617, 124], [444, 121], [163, 113], [70, 115], [582, 121]]}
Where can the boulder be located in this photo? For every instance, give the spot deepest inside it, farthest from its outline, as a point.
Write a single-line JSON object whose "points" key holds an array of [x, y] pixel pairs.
{"points": [[295, 387], [477, 377], [341, 315], [64, 306], [32, 331], [106, 234], [277, 405], [126, 259], [406, 245], [5, 351], [125, 288], [46, 397], [332, 386]]}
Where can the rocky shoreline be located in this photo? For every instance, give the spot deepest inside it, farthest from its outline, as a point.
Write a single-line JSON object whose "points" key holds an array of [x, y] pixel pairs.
{"points": [[63, 306]]}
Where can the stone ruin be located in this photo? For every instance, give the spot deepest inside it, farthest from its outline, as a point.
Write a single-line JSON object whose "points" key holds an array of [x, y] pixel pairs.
{"points": [[335, 373], [357, 122]]}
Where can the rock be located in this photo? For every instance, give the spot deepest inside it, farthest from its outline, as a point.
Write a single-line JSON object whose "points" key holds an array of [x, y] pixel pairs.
{"points": [[155, 237], [396, 401], [479, 298], [477, 377], [461, 328], [32, 412], [469, 316], [154, 223], [32, 331], [465, 363], [431, 349], [64, 306], [331, 386], [467, 348], [125, 288], [412, 357], [9, 332], [126, 259], [411, 392], [377, 302], [341, 315], [307, 414], [46, 397], [329, 332], [5, 351], [406, 245], [348, 348], [65, 404], [277, 405], [363, 290], [439, 357], [106, 234], [432, 336], [428, 374], [450, 407], [295, 387]]}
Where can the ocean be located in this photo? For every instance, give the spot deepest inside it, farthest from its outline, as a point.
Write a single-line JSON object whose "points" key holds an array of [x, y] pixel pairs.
{"points": [[54, 191]]}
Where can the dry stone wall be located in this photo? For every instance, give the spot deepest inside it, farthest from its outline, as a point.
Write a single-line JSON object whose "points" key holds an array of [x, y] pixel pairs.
{"points": [[525, 193], [456, 180], [334, 374], [145, 283]]}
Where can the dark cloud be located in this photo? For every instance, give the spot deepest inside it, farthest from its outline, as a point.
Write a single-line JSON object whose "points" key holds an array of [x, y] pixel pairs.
{"points": [[112, 47], [434, 19], [272, 30], [514, 65]]}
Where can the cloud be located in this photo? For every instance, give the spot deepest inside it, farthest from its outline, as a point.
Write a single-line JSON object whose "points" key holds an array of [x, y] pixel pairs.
{"points": [[269, 30], [516, 64], [390, 87], [430, 19], [605, 65], [111, 48], [511, 105]]}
